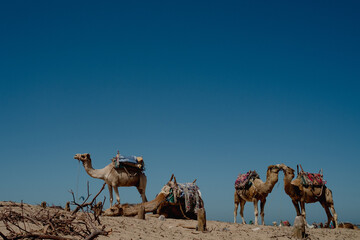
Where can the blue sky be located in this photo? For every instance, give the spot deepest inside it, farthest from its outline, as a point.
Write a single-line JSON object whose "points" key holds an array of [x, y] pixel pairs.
{"points": [[203, 90]]}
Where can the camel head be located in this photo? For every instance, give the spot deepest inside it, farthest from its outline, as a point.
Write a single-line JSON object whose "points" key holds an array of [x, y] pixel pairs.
{"points": [[82, 157], [282, 166], [165, 190], [274, 168], [288, 171], [115, 210], [170, 185]]}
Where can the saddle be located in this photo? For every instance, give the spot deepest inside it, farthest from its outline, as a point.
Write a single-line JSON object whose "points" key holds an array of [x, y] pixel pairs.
{"points": [[243, 181], [183, 197], [137, 163], [190, 194], [311, 179]]}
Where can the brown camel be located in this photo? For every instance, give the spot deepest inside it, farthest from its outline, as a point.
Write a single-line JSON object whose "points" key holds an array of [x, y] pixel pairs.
{"points": [[258, 190], [300, 194], [115, 177]]}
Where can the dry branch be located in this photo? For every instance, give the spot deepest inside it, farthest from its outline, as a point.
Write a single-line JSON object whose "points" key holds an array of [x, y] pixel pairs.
{"points": [[85, 204], [52, 223]]}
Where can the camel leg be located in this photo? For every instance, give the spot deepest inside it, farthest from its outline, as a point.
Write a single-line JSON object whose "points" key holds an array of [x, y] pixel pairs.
{"points": [[142, 193], [242, 205], [142, 187], [302, 206], [236, 203], [330, 203], [116, 190], [235, 210], [262, 213], [297, 208], [111, 194], [327, 211], [256, 211], [303, 213], [334, 215]]}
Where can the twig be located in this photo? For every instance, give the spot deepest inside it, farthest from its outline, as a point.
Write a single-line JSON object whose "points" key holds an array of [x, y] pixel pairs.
{"points": [[95, 234], [81, 206], [187, 227], [40, 236], [3, 236], [55, 224]]}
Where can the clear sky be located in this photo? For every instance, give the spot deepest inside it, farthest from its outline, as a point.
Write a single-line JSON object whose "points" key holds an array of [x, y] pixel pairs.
{"points": [[201, 89]]}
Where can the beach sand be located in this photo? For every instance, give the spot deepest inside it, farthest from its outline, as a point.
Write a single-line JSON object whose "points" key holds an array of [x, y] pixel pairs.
{"points": [[154, 228]]}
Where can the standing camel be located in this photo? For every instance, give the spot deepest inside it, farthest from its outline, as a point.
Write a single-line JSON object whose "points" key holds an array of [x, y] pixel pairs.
{"points": [[115, 177], [300, 194], [259, 190]]}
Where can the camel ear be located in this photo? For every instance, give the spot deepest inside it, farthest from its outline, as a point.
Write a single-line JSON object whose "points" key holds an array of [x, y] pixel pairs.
{"points": [[88, 156], [172, 176], [194, 181]]}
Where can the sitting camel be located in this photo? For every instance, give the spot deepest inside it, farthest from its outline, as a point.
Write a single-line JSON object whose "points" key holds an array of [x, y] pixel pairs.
{"points": [[115, 177], [168, 203], [258, 190], [300, 194]]}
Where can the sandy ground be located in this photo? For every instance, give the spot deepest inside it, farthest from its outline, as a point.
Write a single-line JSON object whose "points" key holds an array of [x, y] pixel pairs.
{"points": [[154, 228]]}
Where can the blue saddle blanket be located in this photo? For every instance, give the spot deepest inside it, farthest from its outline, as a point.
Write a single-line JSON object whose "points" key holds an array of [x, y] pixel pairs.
{"points": [[130, 159]]}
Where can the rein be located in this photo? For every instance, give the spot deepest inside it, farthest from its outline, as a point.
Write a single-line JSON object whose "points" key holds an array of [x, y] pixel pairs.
{"points": [[77, 180]]}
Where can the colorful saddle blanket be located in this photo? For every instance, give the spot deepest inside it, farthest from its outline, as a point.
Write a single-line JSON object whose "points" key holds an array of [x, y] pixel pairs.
{"points": [[312, 179], [243, 180], [190, 192]]}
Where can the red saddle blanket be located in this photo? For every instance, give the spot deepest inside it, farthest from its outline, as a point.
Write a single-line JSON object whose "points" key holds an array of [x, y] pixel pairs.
{"points": [[312, 179]]}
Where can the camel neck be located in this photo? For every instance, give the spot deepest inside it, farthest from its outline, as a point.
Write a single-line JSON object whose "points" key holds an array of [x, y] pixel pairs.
{"points": [[287, 182], [95, 173], [271, 180]]}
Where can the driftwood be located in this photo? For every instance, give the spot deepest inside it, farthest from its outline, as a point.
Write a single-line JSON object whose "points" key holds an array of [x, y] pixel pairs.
{"points": [[299, 227], [51, 223], [201, 216], [67, 207], [141, 214]]}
